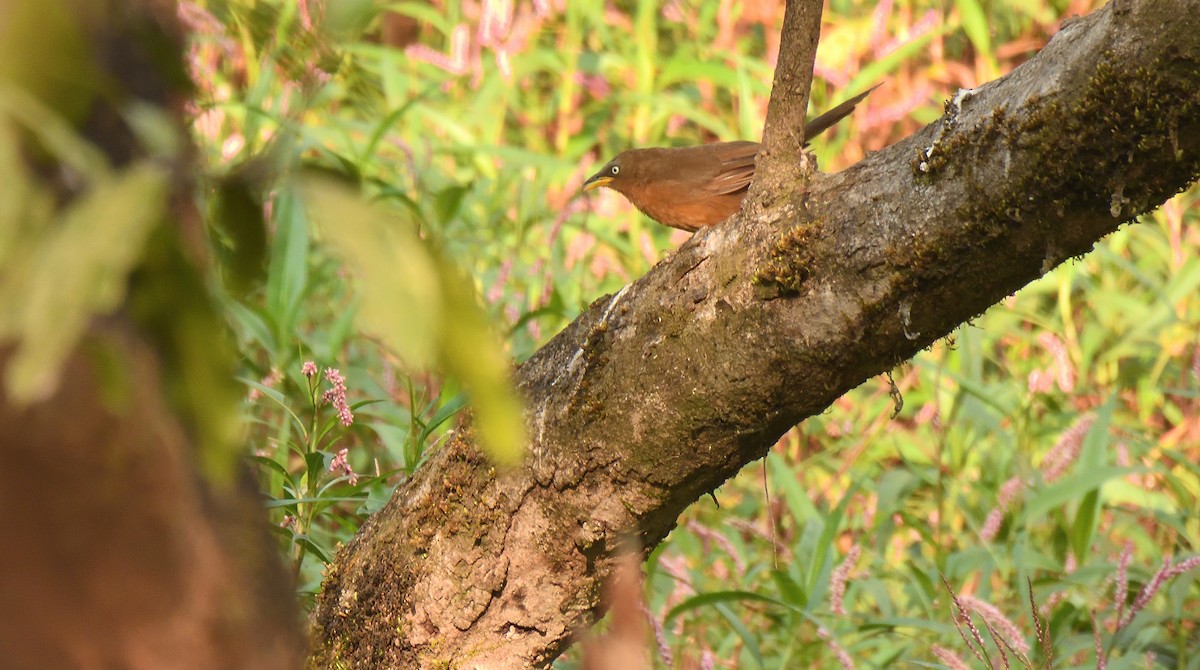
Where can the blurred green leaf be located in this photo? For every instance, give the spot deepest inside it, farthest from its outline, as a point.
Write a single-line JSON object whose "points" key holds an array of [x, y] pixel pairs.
{"points": [[239, 216], [73, 268], [706, 599], [402, 299], [1075, 486], [748, 638], [1085, 522], [421, 307], [64, 78], [471, 353], [447, 202], [287, 274], [975, 24]]}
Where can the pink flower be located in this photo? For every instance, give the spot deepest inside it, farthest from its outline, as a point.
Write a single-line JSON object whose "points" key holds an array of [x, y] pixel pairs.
{"points": [[1196, 363], [273, 378], [949, 658], [1166, 573], [309, 369], [1061, 372], [1123, 579], [660, 637], [1101, 658], [1065, 371], [1066, 450], [336, 396], [838, 650], [997, 623], [711, 537], [339, 462], [1008, 493], [837, 581]]}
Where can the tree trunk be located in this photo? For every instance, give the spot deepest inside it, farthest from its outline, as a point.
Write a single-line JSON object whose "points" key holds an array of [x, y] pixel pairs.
{"points": [[658, 394], [118, 552]]}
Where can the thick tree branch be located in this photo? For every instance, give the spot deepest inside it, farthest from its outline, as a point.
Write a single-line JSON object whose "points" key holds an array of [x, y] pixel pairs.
{"points": [[658, 394]]}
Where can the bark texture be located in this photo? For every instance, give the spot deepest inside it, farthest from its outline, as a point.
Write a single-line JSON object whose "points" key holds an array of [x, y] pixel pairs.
{"points": [[658, 394]]}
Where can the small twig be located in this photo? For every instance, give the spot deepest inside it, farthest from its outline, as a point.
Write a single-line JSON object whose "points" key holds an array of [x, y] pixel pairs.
{"points": [[896, 396]]}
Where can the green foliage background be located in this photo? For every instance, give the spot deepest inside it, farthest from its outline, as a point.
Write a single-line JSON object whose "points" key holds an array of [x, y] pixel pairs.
{"points": [[473, 124]]}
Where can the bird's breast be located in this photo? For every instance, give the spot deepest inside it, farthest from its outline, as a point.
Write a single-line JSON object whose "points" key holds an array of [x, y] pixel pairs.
{"points": [[684, 208]]}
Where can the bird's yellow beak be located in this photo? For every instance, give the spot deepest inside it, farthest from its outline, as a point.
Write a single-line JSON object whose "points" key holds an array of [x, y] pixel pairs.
{"points": [[596, 181]]}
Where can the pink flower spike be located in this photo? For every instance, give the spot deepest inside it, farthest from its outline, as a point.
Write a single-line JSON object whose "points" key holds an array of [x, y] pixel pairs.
{"points": [[339, 462], [273, 378], [309, 369], [837, 581], [1148, 590], [996, 620], [336, 396], [1122, 593], [949, 658], [1008, 493], [1067, 449], [839, 652]]}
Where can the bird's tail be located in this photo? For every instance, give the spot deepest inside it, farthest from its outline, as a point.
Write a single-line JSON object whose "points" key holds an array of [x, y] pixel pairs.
{"points": [[828, 119]]}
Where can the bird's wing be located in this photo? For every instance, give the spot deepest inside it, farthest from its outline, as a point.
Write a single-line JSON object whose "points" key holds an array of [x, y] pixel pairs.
{"points": [[736, 168]]}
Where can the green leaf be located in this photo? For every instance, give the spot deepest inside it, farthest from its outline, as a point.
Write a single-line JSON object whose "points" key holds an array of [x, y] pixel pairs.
{"points": [[73, 268], [443, 414], [793, 593], [423, 308], [1085, 522], [313, 548], [1070, 488], [894, 623], [716, 597], [250, 323], [402, 301], [273, 465], [447, 203], [738, 627], [975, 24], [470, 351], [287, 270], [820, 565], [238, 214], [316, 464], [290, 502]]}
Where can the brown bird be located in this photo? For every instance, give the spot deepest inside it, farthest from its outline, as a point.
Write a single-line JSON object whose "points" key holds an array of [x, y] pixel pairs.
{"points": [[692, 187]]}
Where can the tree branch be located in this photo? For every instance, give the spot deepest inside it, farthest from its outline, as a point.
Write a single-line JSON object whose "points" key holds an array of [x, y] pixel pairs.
{"points": [[658, 394], [781, 158]]}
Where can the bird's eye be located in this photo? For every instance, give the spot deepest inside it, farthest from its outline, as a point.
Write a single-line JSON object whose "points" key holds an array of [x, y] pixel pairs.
{"points": [[616, 169]]}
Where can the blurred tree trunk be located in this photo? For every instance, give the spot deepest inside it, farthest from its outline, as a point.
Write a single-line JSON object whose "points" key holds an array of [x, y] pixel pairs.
{"points": [[658, 394], [119, 552]]}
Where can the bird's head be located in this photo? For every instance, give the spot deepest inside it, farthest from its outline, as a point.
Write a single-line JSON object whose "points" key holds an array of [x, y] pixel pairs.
{"points": [[616, 174]]}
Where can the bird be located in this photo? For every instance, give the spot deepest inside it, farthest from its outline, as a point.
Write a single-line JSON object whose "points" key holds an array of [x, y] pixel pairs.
{"points": [[692, 187]]}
